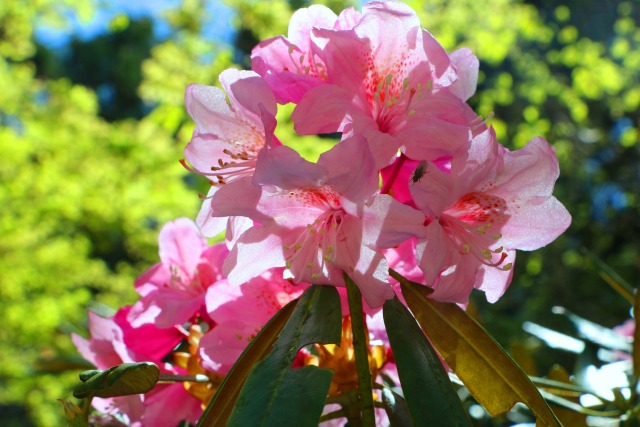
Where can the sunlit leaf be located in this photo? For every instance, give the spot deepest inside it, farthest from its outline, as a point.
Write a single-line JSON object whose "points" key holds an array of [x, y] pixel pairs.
{"points": [[220, 407], [431, 397], [121, 380], [276, 395], [554, 339], [489, 373], [595, 333]]}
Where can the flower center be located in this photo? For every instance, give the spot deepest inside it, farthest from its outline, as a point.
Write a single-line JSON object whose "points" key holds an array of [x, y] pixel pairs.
{"points": [[238, 157], [307, 257], [390, 97], [470, 223], [307, 64]]}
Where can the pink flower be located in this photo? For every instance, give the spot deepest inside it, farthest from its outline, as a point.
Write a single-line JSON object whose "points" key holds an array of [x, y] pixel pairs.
{"points": [[173, 290], [228, 137], [491, 202], [310, 218], [239, 312], [113, 342], [390, 81], [290, 65]]}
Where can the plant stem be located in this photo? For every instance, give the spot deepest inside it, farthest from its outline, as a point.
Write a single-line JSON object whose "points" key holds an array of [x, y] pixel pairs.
{"points": [[365, 388], [200, 378]]}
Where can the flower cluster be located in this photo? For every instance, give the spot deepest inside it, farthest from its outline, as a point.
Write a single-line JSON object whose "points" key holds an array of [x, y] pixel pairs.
{"points": [[191, 321], [417, 180], [417, 183]]}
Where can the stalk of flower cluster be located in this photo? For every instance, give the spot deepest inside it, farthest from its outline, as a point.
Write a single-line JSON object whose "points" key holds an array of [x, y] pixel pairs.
{"points": [[365, 388]]}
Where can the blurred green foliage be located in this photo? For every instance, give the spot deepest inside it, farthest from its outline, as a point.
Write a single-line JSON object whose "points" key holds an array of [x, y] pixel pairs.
{"points": [[90, 140]]}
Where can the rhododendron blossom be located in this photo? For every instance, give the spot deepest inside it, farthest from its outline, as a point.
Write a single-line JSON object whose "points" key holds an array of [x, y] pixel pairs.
{"points": [[239, 312], [228, 136], [310, 220], [391, 81], [174, 290], [490, 203]]}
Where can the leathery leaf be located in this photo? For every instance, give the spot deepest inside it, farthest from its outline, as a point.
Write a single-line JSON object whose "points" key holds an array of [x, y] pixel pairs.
{"points": [[489, 373], [120, 380], [276, 395], [219, 409], [427, 389]]}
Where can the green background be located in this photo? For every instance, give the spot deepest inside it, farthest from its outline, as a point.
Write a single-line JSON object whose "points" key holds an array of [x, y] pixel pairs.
{"points": [[87, 180]]}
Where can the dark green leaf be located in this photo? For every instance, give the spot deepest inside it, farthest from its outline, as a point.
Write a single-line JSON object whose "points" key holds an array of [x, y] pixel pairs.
{"points": [[431, 397], [220, 407], [396, 408], [276, 395], [121, 380]]}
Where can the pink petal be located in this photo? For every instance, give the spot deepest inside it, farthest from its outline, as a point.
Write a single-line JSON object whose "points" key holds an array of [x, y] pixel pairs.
{"points": [[494, 281], [367, 268], [210, 226], [387, 223], [305, 19], [155, 277], [371, 274], [235, 227], [534, 167], [435, 253], [279, 69], [149, 342], [238, 198], [207, 106], [466, 65], [220, 348], [456, 283], [534, 224], [247, 91], [356, 185], [169, 405], [322, 110], [256, 251], [283, 167], [384, 147], [165, 308], [435, 191], [181, 245]]}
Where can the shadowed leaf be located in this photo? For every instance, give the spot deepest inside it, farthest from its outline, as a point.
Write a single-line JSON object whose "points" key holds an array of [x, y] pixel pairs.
{"points": [[396, 408], [431, 397], [636, 338], [276, 395], [219, 410]]}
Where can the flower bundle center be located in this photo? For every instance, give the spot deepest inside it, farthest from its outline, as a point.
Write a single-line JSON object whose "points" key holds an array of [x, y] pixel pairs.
{"points": [[473, 224]]}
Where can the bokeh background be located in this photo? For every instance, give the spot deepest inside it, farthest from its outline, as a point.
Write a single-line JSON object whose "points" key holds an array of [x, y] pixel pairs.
{"points": [[92, 126]]}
